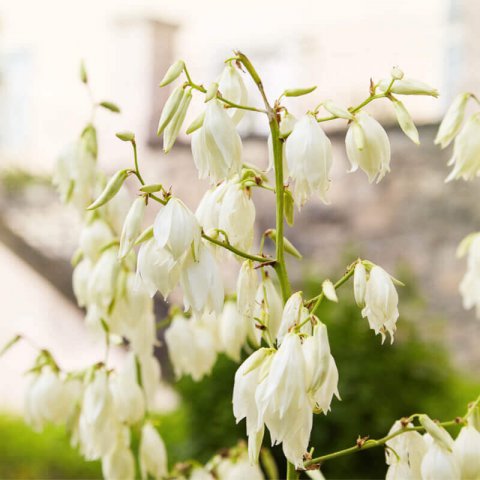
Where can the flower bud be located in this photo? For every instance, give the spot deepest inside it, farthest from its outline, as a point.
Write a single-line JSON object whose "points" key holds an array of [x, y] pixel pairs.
{"points": [[466, 151], [119, 463], [268, 308], [132, 226], [173, 73], [196, 124], [298, 92], [466, 449], [308, 154], [233, 330], [111, 189], [452, 121], [291, 315], [81, 276], [438, 433], [173, 128], [397, 73], [216, 147], [170, 108], [232, 88], [368, 147], [328, 290], [286, 124], [405, 121], [247, 282], [211, 92], [176, 228], [93, 237], [339, 112], [126, 136], [408, 86], [359, 284], [153, 454]]}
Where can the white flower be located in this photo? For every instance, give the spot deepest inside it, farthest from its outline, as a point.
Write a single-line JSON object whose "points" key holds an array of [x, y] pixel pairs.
{"points": [[176, 228], [233, 330], [151, 373], [153, 454], [282, 401], [128, 396], [268, 308], [119, 463], [410, 448], [98, 425], [216, 146], [247, 284], [80, 279], [439, 463], [466, 151], [368, 147], [93, 237], [381, 303], [467, 451], [291, 315], [208, 209], [308, 153], [132, 226], [102, 282], [236, 216], [232, 88], [247, 379], [452, 121], [157, 269], [408, 86], [191, 348], [359, 284], [50, 399], [470, 284], [201, 282], [238, 469]]}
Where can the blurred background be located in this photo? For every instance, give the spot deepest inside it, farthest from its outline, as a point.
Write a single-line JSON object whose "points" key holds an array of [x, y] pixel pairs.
{"points": [[410, 223]]}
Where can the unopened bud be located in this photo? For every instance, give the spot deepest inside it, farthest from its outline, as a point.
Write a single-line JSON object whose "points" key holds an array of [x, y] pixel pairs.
{"points": [[408, 86], [173, 128], [329, 291], [359, 284], [337, 110], [211, 91], [286, 124], [171, 106], [111, 189], [436, 431], [126, 136], [154, 187], [298, 92], [396, 73], [405, 121], [196, 124], [173, 73]]}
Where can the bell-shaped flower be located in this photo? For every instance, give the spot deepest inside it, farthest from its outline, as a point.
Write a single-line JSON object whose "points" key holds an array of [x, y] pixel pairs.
{"points": [[216, 146], [157, 269], [247, 378], [439, 463], [247, 284], [93, 237], [282, 400], [102, 282], [128, 397], [466, 449], [119, 463], [201, 282], [239, 468], [466, 151], [381, 303], [233, 330], [176, 228], [291, 315], [232, 88], [132, 226], [191, 348], [470, 284], [452, 121], [152, 454], [50, 398], [208, 209], [308, 154], [268, 309], [405, 453], [368, 147], [151, 372], [236, 216], [359, 284], [98, 424], [80, 279]]}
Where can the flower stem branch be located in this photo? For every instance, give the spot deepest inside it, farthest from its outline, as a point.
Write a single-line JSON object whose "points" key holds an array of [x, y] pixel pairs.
{"points": [[228, 246], [367, 444]]}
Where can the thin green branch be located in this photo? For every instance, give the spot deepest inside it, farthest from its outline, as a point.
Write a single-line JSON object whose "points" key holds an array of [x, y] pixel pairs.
{"points": [[236, 251]]}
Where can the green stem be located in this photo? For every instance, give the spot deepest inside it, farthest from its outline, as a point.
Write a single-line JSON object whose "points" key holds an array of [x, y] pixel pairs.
{"points": [[135, 159], [319, 298], [234, 250], [291, 472], [370, 444]]}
